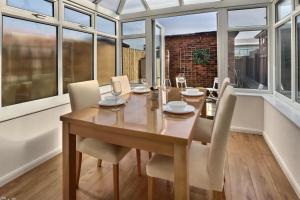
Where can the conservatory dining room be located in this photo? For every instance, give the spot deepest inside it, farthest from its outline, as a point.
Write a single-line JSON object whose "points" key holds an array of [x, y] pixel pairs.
{"points": [[149, 99]]}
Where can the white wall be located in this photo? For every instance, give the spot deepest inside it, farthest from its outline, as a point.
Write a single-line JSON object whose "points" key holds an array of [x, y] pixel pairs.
{"points": [[283, 138], [27, 141], [248, 115]]}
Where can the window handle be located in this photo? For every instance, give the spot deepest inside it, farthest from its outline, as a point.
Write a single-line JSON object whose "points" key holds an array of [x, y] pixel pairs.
{"points": [[40, 16], [83, 26]]}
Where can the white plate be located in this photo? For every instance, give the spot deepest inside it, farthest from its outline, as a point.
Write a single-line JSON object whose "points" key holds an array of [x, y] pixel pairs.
{"points": [[198, 94], [186, 110], [141, 91], [112, 103]]}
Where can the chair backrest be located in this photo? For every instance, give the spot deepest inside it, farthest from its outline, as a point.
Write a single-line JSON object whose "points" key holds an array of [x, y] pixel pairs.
{"points": [[219, 140], [84, 94], [124, 83], [177, 82], [225, 83]]}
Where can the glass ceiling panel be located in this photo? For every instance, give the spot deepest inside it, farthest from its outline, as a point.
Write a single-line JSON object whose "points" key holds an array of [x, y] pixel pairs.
{"points": [[132, 6], [157, 4], [199, 1], [110, 4]]}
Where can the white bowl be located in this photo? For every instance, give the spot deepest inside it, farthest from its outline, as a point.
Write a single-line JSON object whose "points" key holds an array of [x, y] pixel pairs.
{"points": [[192, 91], [177, 106], [140, 88], [111, 99]]}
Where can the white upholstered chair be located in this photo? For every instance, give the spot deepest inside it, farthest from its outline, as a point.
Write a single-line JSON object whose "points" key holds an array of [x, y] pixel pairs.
{"points": [[203, 127], [125, 90], [206, 162], [124, 83], [82, 95]]}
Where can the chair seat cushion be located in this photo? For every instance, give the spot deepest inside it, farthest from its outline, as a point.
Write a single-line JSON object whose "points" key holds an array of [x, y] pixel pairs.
{"points": [[163, 167], [202, 130], [101, 150]]}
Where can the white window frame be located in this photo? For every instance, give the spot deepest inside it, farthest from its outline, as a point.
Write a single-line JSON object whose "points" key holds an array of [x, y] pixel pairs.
{"points": [[21, 109], [266, 27], [291, 17], [148, 40]]}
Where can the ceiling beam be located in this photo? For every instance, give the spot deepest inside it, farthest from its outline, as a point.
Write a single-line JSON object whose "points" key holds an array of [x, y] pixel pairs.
{"points": [[146, 5], [181, 2], [97, 1], [196, 8], [121, 6]]}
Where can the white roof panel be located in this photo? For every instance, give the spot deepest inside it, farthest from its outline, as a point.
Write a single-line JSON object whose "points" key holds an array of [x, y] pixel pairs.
{"points": [[132, 6], [157, 4]]}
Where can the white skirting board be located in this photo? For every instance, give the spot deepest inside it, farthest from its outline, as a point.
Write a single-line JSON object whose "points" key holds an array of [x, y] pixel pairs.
{"points": [[28, 166], [283, 166], [246, 130]]}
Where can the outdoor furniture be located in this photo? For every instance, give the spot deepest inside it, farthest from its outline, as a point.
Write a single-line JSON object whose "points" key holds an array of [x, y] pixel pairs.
{"points": [[214, 90]]}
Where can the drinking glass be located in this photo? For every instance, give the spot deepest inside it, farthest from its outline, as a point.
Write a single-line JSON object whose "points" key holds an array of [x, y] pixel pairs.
{"points": [[116, 92], [167, 84], [144, 82]]}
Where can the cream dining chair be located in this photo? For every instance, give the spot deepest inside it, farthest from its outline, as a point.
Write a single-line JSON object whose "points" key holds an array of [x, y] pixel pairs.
{"points": [[82, 95], [124, 83], [206, 162], [203, 127], [126, 89]]}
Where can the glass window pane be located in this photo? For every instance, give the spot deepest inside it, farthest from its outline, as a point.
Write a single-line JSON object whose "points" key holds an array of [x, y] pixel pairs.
{"points": [[283, 55], [283, 8], [74, 16], [136, 27], [132, 6], [248, 59], [247, 17], [298, 61], [29, 61], [106, 59], [134, 59], [110, 4], [186, 2], [42, 6], [105, 25], [77, 57], [156, 4]]}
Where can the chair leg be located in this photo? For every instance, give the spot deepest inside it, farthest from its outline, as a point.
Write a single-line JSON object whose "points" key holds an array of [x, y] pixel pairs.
{"points": [[150, 154], [78, 166], [116, 181], [150, 187], [138, 160], [99, 163], [216, 195]]}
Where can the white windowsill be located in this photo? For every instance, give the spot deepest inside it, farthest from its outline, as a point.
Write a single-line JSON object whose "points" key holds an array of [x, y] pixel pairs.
{"points": [[27, 108], [290, 111]]}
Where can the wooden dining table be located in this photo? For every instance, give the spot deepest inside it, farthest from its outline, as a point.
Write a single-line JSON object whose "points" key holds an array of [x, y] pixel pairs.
{"points": [[142, 124]]}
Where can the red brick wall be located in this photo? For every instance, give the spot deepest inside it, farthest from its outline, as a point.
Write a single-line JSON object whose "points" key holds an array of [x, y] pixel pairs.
{"points": [[180, 49]]}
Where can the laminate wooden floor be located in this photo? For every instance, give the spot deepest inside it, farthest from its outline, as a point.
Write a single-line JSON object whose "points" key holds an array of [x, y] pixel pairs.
{"points": [[251, 173]]}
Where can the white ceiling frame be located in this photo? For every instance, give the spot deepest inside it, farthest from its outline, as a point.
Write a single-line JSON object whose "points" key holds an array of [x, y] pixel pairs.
{"points": [[97, 1], [121, 6], [181, 2], [193, 7], [146, 5]]}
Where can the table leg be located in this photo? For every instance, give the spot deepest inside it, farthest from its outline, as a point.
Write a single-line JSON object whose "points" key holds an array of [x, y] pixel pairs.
{"points": [[69, 163], [181, 172]]}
